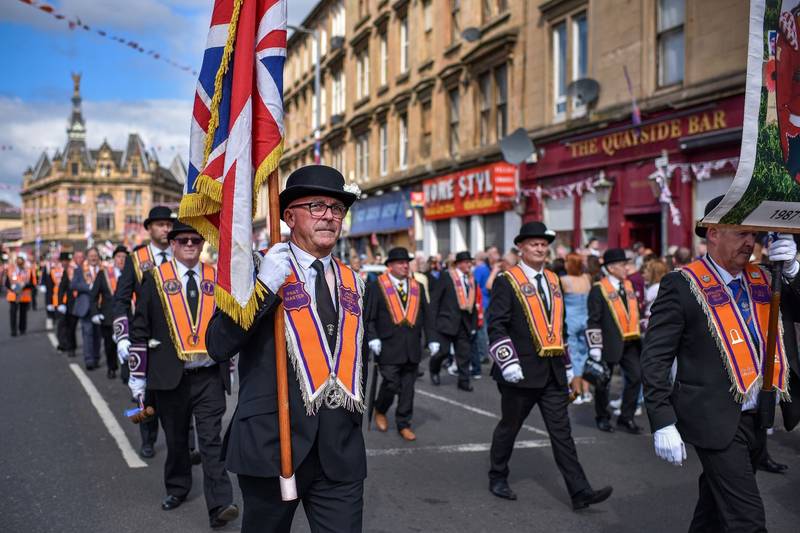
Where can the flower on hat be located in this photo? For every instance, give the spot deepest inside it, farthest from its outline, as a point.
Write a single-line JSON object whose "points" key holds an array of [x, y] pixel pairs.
{"points": [[352, 188]]}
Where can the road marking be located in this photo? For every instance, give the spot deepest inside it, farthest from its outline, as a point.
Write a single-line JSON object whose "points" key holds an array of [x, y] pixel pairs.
{"points": [[53, 340], [467, 448], [476, 410], [113, 427]]}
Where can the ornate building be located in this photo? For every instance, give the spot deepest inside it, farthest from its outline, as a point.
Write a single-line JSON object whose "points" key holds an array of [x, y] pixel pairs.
{"points": [[99, 194]]}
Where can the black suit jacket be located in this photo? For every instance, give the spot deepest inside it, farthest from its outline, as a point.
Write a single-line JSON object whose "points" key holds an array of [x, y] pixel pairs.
{"points": [[252, 445], [399, 343], [601, 317], [446, 313], [506, 318], [164, 369], [65, 290], [47, 281], [102, 299]]}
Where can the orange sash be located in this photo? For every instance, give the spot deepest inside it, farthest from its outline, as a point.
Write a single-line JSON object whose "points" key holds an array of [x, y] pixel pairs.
{"points": [[188, 335], [22, 277], [465, 302], [56, 273], [401, 313], [627, 319], [332, 378], [742, 355], [111, 278], [142, 261], [547, 331]]}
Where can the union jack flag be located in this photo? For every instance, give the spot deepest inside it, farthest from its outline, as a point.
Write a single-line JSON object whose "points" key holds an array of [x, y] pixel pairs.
{"points": [[236, 139]]}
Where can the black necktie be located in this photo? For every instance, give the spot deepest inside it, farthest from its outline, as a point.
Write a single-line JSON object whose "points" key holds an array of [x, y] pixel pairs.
{"points": [[466, 286], [164, 258], [191, 293], [623, 296], [542, 294], [325, 309]]}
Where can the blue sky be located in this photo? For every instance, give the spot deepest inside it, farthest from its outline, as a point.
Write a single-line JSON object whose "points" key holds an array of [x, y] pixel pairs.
{"points": [[123, 90]]}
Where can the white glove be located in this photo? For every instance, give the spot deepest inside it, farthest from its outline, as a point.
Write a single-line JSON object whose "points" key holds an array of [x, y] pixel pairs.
{"points": [[570, 375], [42, 289], [123, 347], [62, 309], [275, 267], [513, 373], [595, 354], [97, 319], [433, 347], [137, 387], [783, 248], [50, 308], [669, 445], [375, 346]]}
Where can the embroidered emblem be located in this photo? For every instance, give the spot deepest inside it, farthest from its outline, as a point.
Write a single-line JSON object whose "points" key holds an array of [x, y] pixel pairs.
{"points": [[207, 286], [735, 337], [146, 265], [527, 289], [349, 301], [760, 293], [706, 279], [172, 286], [755, 275], [595, 337], [716, 296], [503, 353], [294, 297]]}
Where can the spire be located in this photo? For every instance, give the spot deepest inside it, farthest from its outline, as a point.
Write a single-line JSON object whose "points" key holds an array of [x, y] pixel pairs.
{"points": [[77, 129]]}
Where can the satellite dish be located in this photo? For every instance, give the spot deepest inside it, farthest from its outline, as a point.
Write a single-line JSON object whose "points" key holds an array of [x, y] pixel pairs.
{"points": [[471, 34], [584, 92], [516, 147]]}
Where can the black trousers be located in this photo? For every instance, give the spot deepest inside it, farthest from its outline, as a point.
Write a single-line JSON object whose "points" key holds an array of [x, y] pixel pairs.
{"points": [[516, 404], [462, 347], [632, 367], [109, 346], [65, 332], [398, 380], [200, 392], [148, 430], [18, 313], [729, 499], [330, 506]]}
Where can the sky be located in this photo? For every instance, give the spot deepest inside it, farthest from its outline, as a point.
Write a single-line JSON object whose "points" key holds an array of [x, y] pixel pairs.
{"points": [[124, 90]]}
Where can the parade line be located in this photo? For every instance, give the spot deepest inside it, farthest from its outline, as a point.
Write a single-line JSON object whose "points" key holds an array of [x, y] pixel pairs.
{"points": [[469, 447]]}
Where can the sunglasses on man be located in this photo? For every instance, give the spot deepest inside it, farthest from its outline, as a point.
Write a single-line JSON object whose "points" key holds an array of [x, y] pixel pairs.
{"points": [[188, 241]]}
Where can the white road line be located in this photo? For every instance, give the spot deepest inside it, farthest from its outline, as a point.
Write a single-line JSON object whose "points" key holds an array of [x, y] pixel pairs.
{"points": [[467, 448], [53, 340], [113, 427], [476, 410]]}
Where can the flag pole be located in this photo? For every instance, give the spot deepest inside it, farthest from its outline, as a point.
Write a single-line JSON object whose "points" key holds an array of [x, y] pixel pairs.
{"points": [[287, 480]]}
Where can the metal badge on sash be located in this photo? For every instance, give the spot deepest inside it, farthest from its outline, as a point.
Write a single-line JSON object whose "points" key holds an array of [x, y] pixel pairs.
{"points": [[193, 339], [331, 329], [334, 397]]}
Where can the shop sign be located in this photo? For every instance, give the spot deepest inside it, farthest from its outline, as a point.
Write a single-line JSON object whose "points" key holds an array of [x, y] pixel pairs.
{"points": [[475, 191]]}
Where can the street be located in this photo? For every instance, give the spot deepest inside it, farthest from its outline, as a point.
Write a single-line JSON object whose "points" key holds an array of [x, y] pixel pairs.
{"points": [[69, 463]]}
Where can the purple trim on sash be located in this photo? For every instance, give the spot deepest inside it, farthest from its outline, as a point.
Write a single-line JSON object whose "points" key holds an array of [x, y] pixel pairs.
{"points": [[314, 386]]}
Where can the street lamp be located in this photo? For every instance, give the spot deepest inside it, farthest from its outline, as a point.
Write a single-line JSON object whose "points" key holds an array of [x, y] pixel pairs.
{"points": [[603, 188], [317, 90]]}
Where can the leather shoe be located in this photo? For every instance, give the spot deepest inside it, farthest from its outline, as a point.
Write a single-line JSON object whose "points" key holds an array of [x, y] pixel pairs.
{"points": [[604, 425], [435, 378], [194, 457], [465, 386], [629, 426], [171, 502], [222, 515], [500, 488], [147, 451], [408, 435], [768, 464], [91, 366], [380, 421], [589, 497], [111, 373]]}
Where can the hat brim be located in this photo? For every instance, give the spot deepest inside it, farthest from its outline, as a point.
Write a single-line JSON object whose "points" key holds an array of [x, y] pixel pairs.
{"points": [[549, 238], [299, 191], [149, 221], [621, 260], [393, 259], [700, 231], [174, 233]]}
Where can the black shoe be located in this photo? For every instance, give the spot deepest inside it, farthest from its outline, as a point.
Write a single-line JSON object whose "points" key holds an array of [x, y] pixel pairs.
{"points": [[147, 451], [629, 426], [604, 425], [465, 386], [589, 497], [171, 502], [90, 366], [111, 373], [194, 456], [420, 373], [435, 378], [768, 464], [13, 333], [500, 488], [222, 515]]}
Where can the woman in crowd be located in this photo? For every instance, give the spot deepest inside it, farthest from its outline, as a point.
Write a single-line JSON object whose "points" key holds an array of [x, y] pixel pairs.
{"points": [[576, 285], [654, 270]]}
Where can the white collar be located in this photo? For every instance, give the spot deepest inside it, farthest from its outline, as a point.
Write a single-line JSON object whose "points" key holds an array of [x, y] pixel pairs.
{"points": [[726, 276], [155, 251], [615, 281], [529, 271], [182, 269], [396, 281], [304, 259]]}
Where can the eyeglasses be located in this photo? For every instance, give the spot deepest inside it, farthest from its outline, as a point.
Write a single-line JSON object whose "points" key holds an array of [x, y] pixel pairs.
{"points": [[318, 209], [188, 241]]}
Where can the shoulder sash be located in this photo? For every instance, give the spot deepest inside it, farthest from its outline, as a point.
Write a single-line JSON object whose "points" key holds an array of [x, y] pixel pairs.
{"points": [[143, 261], [56, 273], [546, 330], [627, 319], [401, 314], [465, 302]]}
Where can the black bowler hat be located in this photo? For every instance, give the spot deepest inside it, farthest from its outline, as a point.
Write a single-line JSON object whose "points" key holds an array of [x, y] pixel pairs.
{"points": [[178, 228], [65, 256], [159, 212], [463, 256], [614, 255], [120, 249], [701, 231], [315, 180], [397, 254], [535, 230]]}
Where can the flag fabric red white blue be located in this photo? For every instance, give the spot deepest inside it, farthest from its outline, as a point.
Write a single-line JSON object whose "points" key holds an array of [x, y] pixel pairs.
{"points": [[236, 139]]}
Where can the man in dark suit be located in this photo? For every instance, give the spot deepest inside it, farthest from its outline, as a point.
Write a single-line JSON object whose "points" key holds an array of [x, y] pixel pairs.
{"points": [[82, 283], [527, 342], [102, 298], [612, 333], [67, 322], [395, 319], [169, 358], [713, 402], [328, 453], [455, 315]]}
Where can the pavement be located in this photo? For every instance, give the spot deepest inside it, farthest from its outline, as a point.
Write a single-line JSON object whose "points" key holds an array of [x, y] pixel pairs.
{"points": [[68, 463]]}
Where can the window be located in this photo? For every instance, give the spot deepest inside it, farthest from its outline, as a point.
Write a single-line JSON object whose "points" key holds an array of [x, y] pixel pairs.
{"points": [[75, 196], [501, 99], [455, 24], [454, 118], [404, 44], [425, 123], [133, 220], [338, 20], [313, 45], [384, 148], [492, 8], [570, 45], [323, 35], [363, 8], [580, 56], [485, 91], [443, 236], [75, 224], [133, 197], [362, 74], [105, 213], [337, 159], [427, 26], [384, 59], [362, 157], [560, 70], [402, 141], [74, 169], [323, 99], [671, 16], [338, 96]]}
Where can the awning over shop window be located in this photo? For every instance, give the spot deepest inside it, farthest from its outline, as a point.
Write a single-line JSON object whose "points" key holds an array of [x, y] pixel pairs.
{"points": [[380, 214]]}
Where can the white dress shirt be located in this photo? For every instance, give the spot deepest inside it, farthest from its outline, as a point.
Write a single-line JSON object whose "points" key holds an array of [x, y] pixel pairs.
{"points": [[309, 275], [181, 270], [531, 274], [156, 253]]}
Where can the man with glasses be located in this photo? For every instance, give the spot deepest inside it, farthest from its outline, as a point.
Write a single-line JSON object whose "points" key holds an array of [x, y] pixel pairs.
{"points": [[168, 357], [323, 308]]}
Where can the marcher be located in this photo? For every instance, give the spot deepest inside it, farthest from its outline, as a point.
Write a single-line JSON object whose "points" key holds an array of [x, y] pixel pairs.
{"points": [[613, 335], [102, 312], [396, 319], [68, 322], [50, 276], [527, 336], [326, 388], [81, 284], [169, 358], [20, 282], [712, 316], [53, 299]]}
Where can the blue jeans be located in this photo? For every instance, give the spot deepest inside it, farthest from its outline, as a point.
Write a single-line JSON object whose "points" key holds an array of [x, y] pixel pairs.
{"points": [[479, 349]]}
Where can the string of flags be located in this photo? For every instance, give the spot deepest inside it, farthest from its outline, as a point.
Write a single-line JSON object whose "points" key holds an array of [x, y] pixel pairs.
{"points": [[569, 190], [76, 23]]}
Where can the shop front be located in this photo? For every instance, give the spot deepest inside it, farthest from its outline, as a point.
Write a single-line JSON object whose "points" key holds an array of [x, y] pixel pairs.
{"points": [[379, 223], [470, 209], [660, 173]]}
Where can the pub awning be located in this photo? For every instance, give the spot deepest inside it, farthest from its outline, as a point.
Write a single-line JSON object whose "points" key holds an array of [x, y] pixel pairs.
{"points": [[381, 214]]}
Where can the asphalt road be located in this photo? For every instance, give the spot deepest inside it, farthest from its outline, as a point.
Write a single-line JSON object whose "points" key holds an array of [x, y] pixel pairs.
{"points": [[63, 470]]}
